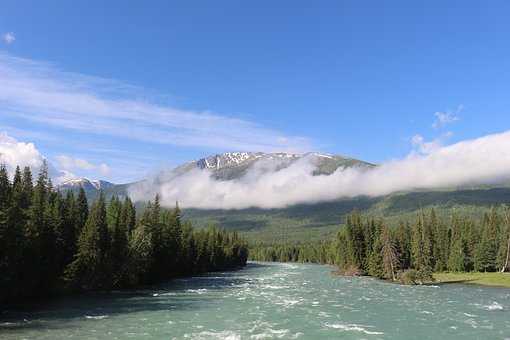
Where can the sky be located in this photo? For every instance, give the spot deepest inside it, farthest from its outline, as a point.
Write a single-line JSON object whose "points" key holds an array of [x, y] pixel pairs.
{"points": [[120, 89]]}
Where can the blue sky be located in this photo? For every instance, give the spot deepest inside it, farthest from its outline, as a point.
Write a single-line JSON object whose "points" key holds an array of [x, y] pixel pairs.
{"points": [[129, 87]]}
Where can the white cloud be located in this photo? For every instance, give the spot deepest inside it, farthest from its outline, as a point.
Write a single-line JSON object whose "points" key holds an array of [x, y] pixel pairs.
{"points": [[421, 146], [14, 153], [38, 92], [67, 162], [8, 38], [484, 160], [70, 163], [64, 176], [448, 117]]}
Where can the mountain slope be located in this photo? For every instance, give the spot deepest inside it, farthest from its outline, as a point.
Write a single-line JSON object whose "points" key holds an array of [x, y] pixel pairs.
{"points": [[303, 221], [320, 220], [225, 167], [91, 187]]}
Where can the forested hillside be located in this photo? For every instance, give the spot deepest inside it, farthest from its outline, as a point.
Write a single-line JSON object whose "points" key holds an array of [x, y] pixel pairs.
{"points": [[52, 243], [320, 221], [407, 251]]}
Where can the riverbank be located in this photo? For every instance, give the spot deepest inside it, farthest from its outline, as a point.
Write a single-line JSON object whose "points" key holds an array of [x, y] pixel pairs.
{"points": [[486, 279]]}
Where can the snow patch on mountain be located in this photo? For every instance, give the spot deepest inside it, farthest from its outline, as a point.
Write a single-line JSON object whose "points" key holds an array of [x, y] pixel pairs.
{"points": [[86, 183]]}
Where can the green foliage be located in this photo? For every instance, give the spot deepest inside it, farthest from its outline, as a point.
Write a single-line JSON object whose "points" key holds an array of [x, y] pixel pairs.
{"points": [[409, 251], [457, 259], [317, 252], [487, 249], [92, 267], [52, 244]]}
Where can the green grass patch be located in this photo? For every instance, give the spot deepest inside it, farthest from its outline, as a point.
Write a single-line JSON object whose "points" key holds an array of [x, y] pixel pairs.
{"points": [[486, 279]]}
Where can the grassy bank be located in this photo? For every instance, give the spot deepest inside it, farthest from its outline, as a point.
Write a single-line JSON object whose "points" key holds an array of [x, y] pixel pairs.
{"points": [[486, 279]]}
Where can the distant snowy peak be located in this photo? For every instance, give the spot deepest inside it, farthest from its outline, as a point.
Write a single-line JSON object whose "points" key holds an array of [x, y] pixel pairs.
{"points": [[235, 159], [227, 159], [100, 185], [86, 183]]}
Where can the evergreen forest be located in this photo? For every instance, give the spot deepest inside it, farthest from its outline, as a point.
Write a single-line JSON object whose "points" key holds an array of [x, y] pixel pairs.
{"points": [[56, 243], [409, 252]]}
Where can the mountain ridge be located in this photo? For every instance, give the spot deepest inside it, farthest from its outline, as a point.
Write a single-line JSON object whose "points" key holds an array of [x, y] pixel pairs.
{"points": [[231, 160]]}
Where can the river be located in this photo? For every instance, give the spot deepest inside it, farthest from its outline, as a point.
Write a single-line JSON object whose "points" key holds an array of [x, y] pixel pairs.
{"points": [[271, 300]]}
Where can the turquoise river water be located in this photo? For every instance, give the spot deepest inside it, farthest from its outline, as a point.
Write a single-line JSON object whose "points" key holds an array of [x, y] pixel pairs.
{"points": [[271, 301]]}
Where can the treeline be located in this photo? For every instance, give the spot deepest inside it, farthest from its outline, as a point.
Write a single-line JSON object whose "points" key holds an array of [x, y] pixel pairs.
{"points": [[409, 252], [412, 252], [317, 252], [52, 242]]}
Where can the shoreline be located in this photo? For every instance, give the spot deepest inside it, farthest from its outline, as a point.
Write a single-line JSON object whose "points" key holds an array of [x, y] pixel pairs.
{"points": [[41, 301], [487, 279]]}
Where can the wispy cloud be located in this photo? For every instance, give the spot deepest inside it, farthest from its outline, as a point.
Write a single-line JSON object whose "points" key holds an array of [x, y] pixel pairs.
{"points": [[446, 117], [424, 147], [8, 38], [39, 92], [70, 163]]}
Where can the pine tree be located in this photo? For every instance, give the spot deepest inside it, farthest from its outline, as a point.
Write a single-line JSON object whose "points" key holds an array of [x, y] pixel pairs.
{"points": [[57, 214], [92, 267], [128, 216], [5, 201], [82, 210], [417, 256], [119, 245], [421, 249], [457, 259], [28, 187], [403, 244], [375, 260], [6, 234], [41, 237], [487, 249], [441, 243], [21, 213], [172, 240], [503, 258], [342, 258], [389, 254], [355, 241], [13, 240], [140, 255], [71, 231], [188, 249]]}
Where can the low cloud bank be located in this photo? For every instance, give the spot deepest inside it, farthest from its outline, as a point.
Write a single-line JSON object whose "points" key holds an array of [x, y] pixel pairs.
{"points": [[485, 160]]}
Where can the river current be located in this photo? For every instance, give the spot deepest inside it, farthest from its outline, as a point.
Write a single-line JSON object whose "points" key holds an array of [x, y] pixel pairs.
{"points": [[271, 301]]}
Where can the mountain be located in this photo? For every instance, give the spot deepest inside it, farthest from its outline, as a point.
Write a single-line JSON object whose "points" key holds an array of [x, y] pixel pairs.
{"points": [[304, 221], [91, 187], [232, 165], [225, 166]]}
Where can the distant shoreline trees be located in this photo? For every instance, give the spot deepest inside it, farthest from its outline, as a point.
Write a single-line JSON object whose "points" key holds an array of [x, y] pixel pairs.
{"points": [[52, 242], [407, 252]]}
